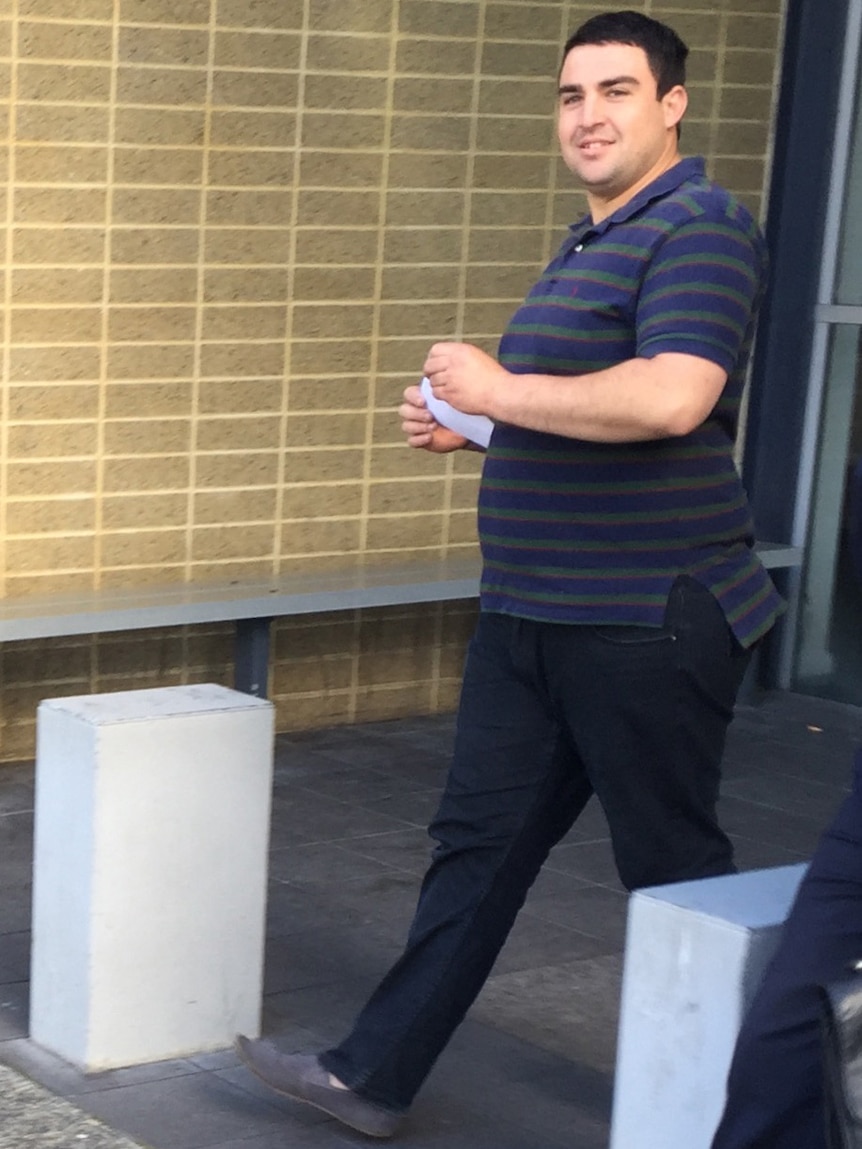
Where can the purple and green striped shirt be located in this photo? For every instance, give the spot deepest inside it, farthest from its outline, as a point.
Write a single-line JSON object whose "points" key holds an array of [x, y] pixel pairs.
{"points": [[580, 532]]}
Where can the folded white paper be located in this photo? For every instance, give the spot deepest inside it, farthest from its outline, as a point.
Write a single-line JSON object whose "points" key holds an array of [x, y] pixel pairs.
{"points": [[476, 428]]}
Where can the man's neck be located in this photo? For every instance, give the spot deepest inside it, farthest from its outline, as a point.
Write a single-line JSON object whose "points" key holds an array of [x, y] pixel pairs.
{"points": [[601, 207]]}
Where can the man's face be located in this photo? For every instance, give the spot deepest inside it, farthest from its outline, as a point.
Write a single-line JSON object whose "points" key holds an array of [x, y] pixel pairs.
{"points": [[615, 134]]}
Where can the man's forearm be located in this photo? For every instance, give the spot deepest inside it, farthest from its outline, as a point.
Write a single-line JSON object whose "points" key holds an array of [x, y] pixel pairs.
{"points": [[634, 401]]}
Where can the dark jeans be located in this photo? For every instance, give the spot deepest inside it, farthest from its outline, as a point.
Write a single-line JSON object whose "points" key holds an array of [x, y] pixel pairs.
{"points": [[549, 715], [775, 1086]]}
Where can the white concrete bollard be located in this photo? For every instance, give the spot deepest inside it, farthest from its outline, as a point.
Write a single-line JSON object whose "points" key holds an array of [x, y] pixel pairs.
{"points": [[150, 868], [695, 953]]}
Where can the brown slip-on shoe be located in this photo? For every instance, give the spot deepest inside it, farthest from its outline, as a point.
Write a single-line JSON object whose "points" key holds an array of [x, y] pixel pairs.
{"points": [[302, 1077]]}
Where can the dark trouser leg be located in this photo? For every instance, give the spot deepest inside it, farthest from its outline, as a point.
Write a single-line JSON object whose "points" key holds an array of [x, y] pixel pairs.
{"points": [[514, 789], [648, 710], [774, 1089], [549, 713]]}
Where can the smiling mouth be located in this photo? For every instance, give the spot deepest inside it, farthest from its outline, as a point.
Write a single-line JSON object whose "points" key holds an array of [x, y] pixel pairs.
{"points": [[591, 146]]}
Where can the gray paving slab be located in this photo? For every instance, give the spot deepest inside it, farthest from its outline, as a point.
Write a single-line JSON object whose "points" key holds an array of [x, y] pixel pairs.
{"points": [[532, 1065]]}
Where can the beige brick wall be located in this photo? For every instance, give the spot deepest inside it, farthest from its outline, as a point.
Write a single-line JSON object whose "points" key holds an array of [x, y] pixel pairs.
{"points": [[232, 228]]}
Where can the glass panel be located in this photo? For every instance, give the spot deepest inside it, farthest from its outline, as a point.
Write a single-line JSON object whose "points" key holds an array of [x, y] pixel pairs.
{"points": [[829, 646], [848, 287]]}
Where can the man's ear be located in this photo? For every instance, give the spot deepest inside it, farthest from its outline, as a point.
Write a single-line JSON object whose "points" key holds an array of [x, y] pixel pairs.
{"points": [[674, 103]]}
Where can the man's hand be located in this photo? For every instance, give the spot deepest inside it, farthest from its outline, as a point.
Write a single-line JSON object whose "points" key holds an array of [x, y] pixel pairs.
{"points": [[422, 430], [465, 377]]}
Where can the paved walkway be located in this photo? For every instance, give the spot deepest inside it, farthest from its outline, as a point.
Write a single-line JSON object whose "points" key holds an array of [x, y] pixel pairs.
{"points": [[31, 1115], [531, 1068]]}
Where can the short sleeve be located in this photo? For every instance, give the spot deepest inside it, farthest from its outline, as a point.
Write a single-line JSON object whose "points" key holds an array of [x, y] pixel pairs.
{"points": [[702, 291]]}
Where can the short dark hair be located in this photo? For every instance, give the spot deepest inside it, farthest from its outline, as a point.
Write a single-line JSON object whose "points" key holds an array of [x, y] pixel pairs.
{"points": [[665, 51]]}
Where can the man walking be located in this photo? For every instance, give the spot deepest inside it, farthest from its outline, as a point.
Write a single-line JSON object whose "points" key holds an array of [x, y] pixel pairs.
{"points": [[620, 593]]}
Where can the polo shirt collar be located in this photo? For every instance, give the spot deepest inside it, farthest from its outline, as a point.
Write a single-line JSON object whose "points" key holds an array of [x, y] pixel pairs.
{"points": [[692, 168]]}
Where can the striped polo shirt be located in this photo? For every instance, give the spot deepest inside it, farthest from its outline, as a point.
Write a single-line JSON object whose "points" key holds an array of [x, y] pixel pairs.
{"points": [[580, 532]]}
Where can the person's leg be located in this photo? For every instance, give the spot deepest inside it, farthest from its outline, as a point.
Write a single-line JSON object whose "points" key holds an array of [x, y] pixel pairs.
{"points": [[648, 709], [775, 1084], [514, 789]]}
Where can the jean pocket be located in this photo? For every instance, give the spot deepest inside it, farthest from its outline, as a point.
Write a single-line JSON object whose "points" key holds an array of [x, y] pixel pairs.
{"points": [[627, 635]]}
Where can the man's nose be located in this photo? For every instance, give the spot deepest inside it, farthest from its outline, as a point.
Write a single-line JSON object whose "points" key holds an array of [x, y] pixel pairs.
{"points": [[591, 110]]}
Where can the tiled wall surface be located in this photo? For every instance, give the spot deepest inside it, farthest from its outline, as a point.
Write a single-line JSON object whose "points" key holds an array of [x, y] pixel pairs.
{"points": [[232, 229]]}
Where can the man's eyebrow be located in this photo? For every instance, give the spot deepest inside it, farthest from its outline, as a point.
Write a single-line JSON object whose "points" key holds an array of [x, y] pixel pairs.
{"points": [[577, 89]]}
